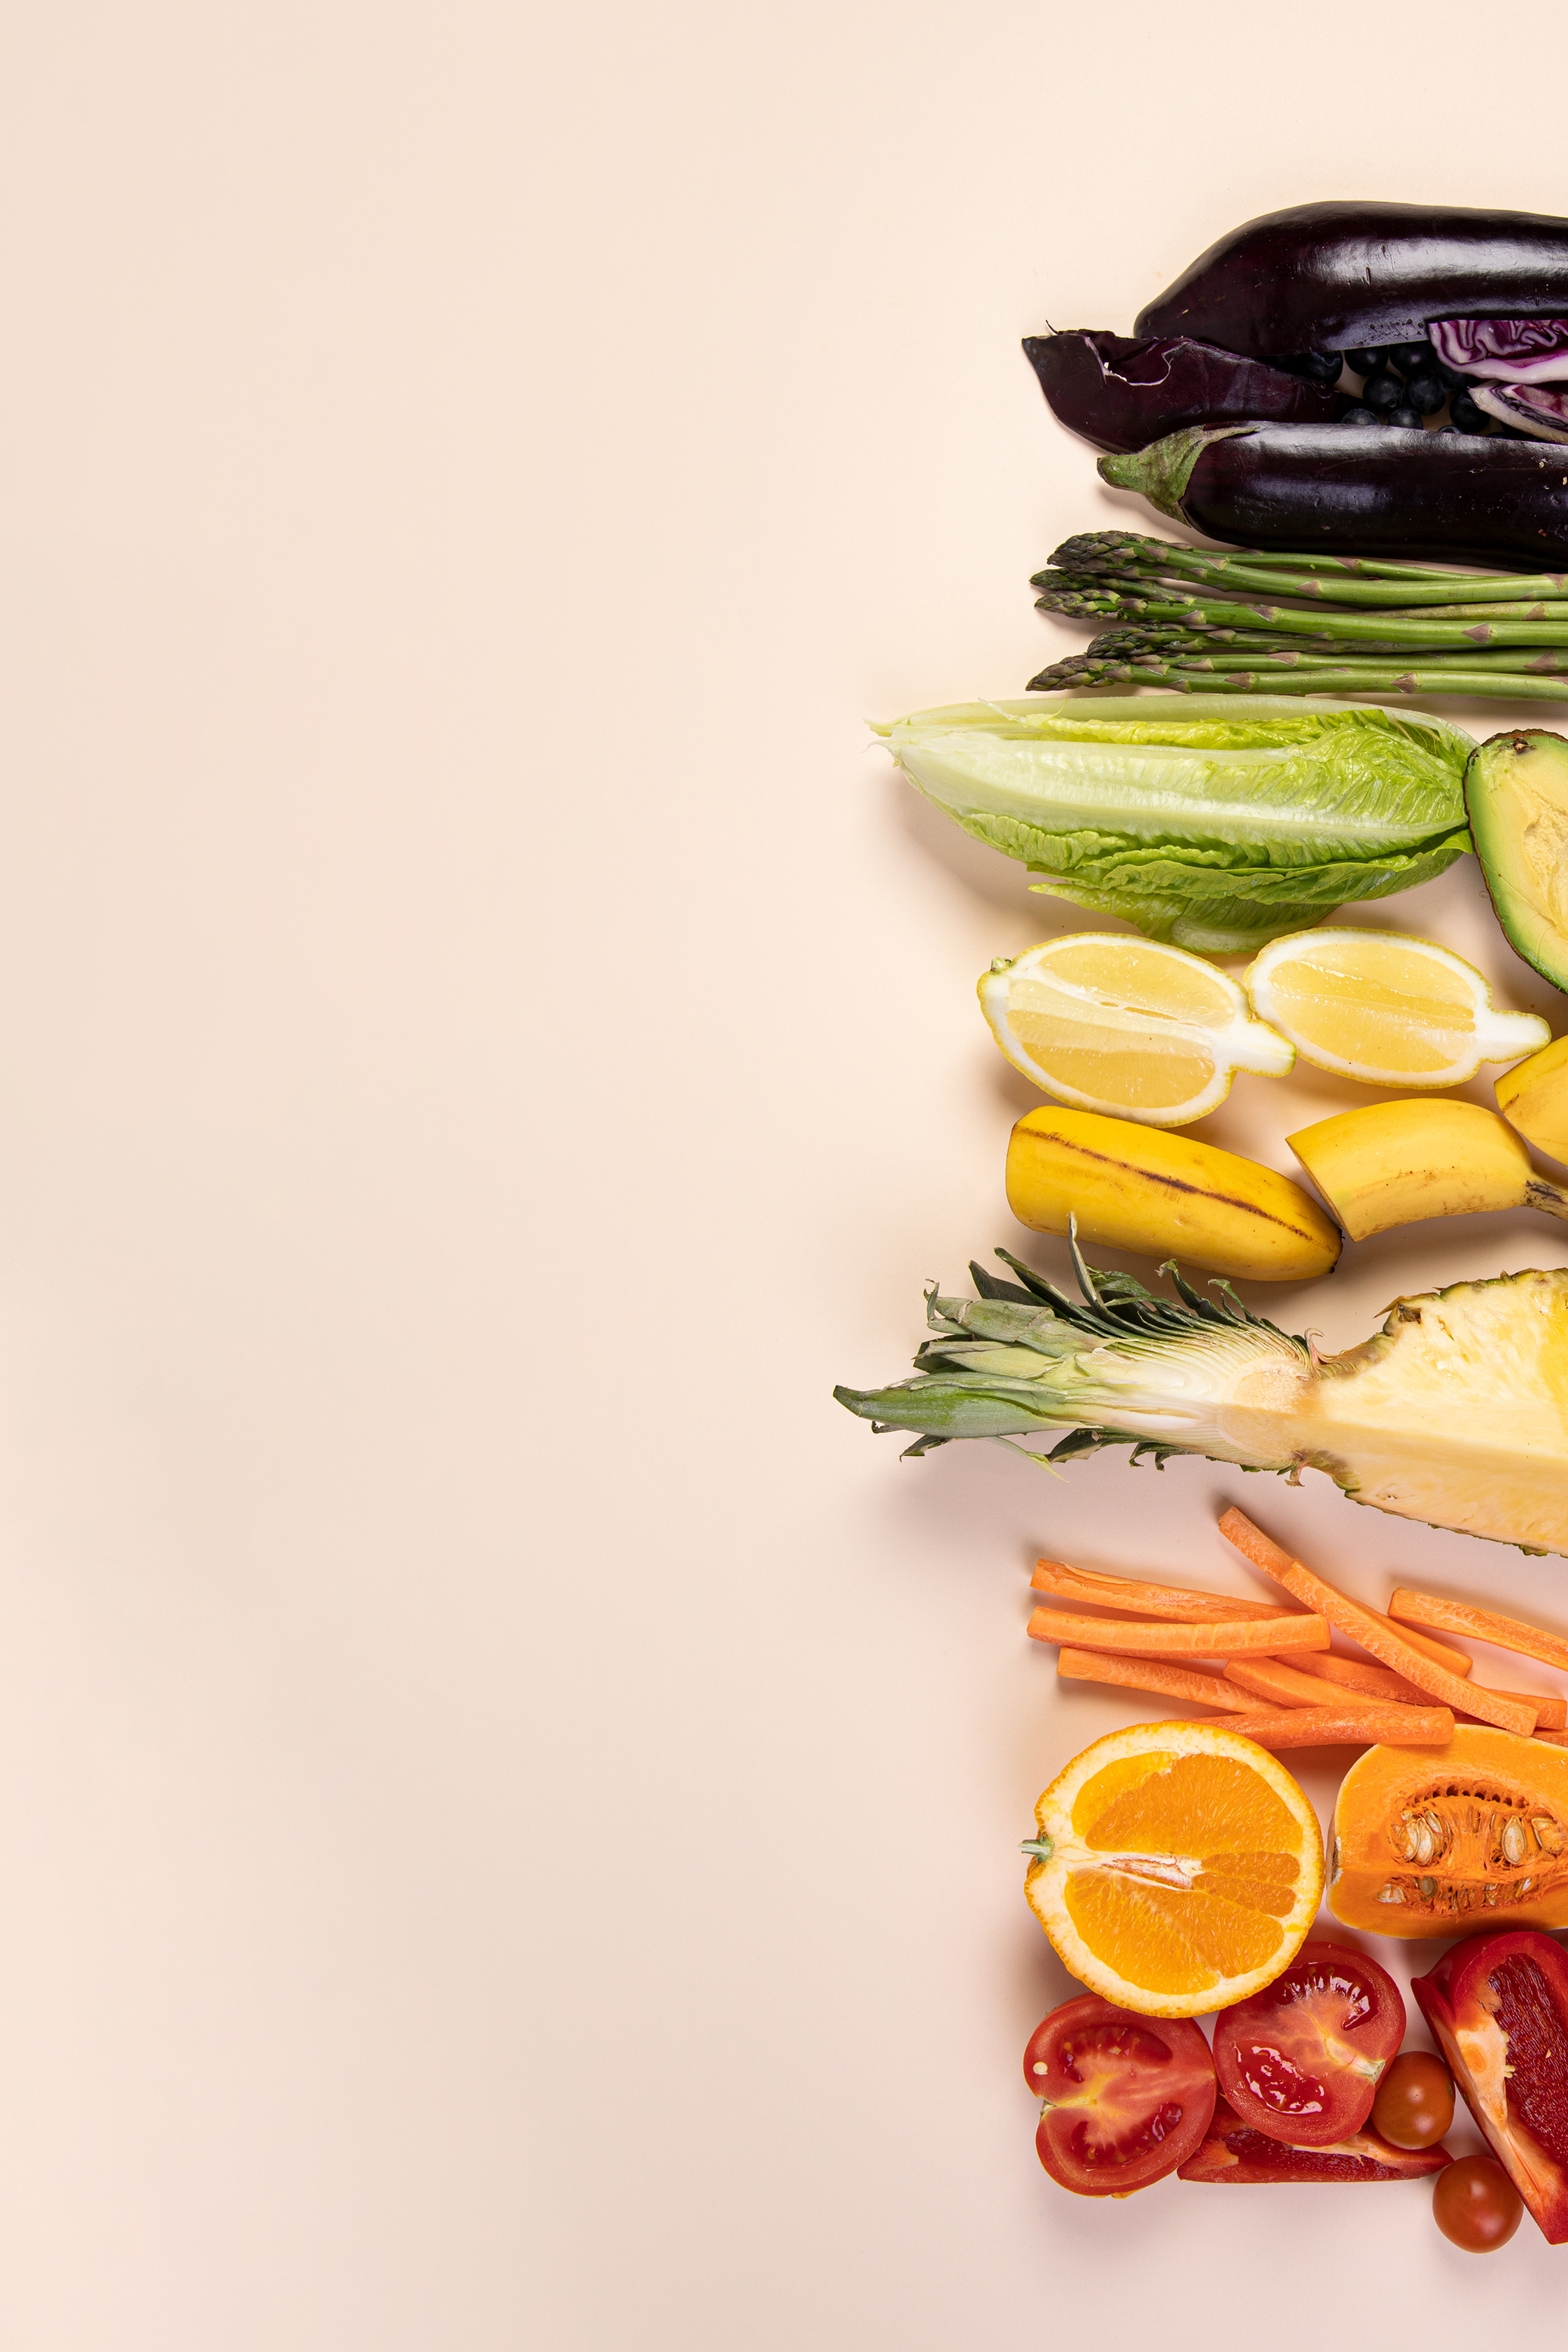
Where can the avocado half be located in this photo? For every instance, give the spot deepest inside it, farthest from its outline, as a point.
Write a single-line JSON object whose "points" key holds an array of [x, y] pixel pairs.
{"points": [[1516, 790]]}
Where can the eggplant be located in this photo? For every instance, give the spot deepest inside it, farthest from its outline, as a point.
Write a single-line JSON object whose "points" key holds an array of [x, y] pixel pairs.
{"points": [[1361, 275], [1121, 394], [1361, 489]]}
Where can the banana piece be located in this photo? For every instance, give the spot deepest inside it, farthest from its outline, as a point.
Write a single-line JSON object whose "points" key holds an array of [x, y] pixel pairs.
{"points": [[1534, 1096], [1141, 1188], [1394, 1163]]}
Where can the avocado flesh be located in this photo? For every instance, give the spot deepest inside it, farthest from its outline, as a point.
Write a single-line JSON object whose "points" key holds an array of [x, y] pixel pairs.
{"points": [[1516, 790]]}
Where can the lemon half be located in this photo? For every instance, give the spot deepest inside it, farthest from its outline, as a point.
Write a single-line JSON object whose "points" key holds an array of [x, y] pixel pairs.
{"points": [[1111, 1023], [1388, 1010]]}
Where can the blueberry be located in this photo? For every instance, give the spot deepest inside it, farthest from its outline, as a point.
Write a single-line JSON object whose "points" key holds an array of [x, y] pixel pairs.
{"points": [[1381, 391], [1321, 367], [1467, 416], [1413, 359], [1425, 393], [1405, 415], [1364, 363], [1358, 413]]}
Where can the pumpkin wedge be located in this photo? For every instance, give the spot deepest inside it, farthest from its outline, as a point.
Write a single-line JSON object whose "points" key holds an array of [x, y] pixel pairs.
{"points": [[1442, 1841]]}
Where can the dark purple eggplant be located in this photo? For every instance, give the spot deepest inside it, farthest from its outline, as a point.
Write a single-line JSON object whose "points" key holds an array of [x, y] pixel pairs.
{"points": [[1336, 276], [1363, 489], [1122, 395]]}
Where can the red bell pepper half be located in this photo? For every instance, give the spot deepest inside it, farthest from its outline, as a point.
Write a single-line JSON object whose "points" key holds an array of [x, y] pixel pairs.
{"points": [[1498, 2006], [1232, 2151]]}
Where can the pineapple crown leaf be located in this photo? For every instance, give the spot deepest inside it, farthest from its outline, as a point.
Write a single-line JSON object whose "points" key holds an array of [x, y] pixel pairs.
{"points": [[1119, 1306]]}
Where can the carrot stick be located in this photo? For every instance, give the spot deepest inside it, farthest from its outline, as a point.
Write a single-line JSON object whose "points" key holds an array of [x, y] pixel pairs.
{"points": [[1271, 1678], [1356, 1675], [1147, 1673], [1553, 1739], [1328, 1726], [1481, 1625], [1551, 1714], [1453, 1661], [1144, 1599], [1243, 1637], [1376, 1636], [1376, 1682]]}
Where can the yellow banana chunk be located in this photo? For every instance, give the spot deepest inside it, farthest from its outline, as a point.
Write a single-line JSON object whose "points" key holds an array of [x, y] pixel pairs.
{"points": [[1394, 1163], [1534, 1096], [1141, 1188]]}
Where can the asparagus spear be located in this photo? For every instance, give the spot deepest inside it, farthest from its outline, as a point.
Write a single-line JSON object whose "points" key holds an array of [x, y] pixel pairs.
{"points": [[1088, 547], [1343, 678], [1413, 629], [1271, 576]]}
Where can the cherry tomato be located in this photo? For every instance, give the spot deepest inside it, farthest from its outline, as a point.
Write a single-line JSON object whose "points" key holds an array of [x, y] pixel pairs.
{"points": [[1125, 2098], [1301, 2059], [1413, 2104], [1475, 2205]]}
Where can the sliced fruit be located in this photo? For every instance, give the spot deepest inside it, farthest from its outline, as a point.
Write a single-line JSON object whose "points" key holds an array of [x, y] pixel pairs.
{"points": [[1177, 1867], [1474, 1835], [1301, 2059], [1111, 1024], [1122, 2102], [1385, 1008], [1233, 2153], [1133, 1188], [1516, 790], [1534, 1096]]}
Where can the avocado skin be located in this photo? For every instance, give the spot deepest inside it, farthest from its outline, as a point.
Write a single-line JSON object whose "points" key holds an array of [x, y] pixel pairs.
{"points": [[1507, 779]]}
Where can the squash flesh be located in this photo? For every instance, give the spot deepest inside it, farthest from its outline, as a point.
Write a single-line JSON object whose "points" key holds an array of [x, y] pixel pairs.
{"points": [[1448, 1842]]}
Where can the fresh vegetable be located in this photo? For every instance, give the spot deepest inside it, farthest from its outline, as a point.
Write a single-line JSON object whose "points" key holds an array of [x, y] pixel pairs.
{"points": [[1216, 824], [1366, 488], [1533, 1097], [1122, 2102], [1475, 2205], [1370, 1631], [1176, 1867], [1357, 275], [1516, 790], [1130, 1026], [1394, 1163], [1139, 1188], [1113, 566], [1385, 1008], [1233, 2152], [1300, 2060], [1413, 2105], [1296, 1685], [1454, 1414], [1141, 1597], [1372, 1681], [1422, 1846], [1531, 407], [1240, 1638], [1195, 1688], [1120, 394], [1337, 1726], [1480, 1624], [1502, 351], [1498, 2008]]}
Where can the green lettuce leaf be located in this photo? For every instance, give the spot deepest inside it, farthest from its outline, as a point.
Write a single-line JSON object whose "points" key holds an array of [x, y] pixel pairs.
{"points": [[1213, 828]]}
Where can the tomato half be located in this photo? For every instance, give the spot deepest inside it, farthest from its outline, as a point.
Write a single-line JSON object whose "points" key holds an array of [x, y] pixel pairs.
{"points": [[1125, 2098], [1300, 2060]]}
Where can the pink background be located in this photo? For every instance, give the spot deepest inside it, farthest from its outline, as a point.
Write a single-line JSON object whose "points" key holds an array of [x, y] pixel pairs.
{"points": [[508, 1799]]}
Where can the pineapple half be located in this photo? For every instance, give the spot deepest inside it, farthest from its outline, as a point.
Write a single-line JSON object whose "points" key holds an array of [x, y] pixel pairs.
{"points": [[1455, 1413]]}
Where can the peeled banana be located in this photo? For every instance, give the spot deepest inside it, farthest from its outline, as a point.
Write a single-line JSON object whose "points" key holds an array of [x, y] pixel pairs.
{"points": [[1394, 1162], [1534, 1096], [1141, 1188]]}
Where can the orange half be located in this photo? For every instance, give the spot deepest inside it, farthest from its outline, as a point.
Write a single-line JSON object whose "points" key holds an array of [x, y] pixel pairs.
{"points": [[1178, 1867]]}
